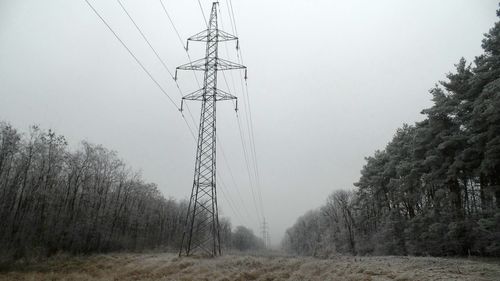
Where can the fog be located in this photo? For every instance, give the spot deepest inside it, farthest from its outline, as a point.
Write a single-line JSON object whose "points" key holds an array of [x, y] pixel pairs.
{"points": [[328, 82]]}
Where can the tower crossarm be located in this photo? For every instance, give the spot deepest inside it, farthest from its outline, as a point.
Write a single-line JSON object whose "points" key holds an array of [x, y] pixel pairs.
{"points": [[203, 36], [217, 64], [219, 95], [223, 64], [194, 65]]}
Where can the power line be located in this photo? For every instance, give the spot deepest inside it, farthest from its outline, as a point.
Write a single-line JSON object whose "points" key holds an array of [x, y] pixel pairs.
{"points": [[247, 103], [180, 39], [253, 146], [248, 168], [145, 38], [228, 56], [233, 180], [173, 25], [132, 54], [251, 142], [203, 13], [161, 61], [230, 4], [229, 199], [189, 57], [230, 17], [139, 62]]}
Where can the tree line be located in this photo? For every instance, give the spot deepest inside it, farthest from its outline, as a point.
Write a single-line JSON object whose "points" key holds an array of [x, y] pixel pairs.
{"points": [[434, 189], [55, 200]]}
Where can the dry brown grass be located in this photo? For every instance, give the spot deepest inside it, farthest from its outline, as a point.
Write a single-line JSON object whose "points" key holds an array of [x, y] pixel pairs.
{"points": [[238, 267]]}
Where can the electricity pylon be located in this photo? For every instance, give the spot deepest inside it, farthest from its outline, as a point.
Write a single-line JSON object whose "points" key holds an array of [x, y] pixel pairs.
{"points": [[266, 238], [201, 230]]}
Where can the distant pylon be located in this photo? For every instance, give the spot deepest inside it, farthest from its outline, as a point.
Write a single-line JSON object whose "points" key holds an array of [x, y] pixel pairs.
{"points": [[268, 238], [201, 229], [265, 234]]}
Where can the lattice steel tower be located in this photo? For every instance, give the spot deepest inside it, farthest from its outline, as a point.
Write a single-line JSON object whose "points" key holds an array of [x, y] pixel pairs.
{"points": [[201, 230]]}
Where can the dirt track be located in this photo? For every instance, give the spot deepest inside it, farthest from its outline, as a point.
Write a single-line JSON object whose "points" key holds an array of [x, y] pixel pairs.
{"points": [[169, 267]]}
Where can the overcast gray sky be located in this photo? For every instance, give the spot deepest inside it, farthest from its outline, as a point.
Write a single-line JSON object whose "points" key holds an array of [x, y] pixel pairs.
{"points": [[329, 83]]}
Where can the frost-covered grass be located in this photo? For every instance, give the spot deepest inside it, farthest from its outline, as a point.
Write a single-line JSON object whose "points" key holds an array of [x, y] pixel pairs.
{"points": [[241, 267]]}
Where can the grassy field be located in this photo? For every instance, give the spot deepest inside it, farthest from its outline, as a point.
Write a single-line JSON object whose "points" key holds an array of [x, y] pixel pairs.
{"points": [[237, 267]]}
